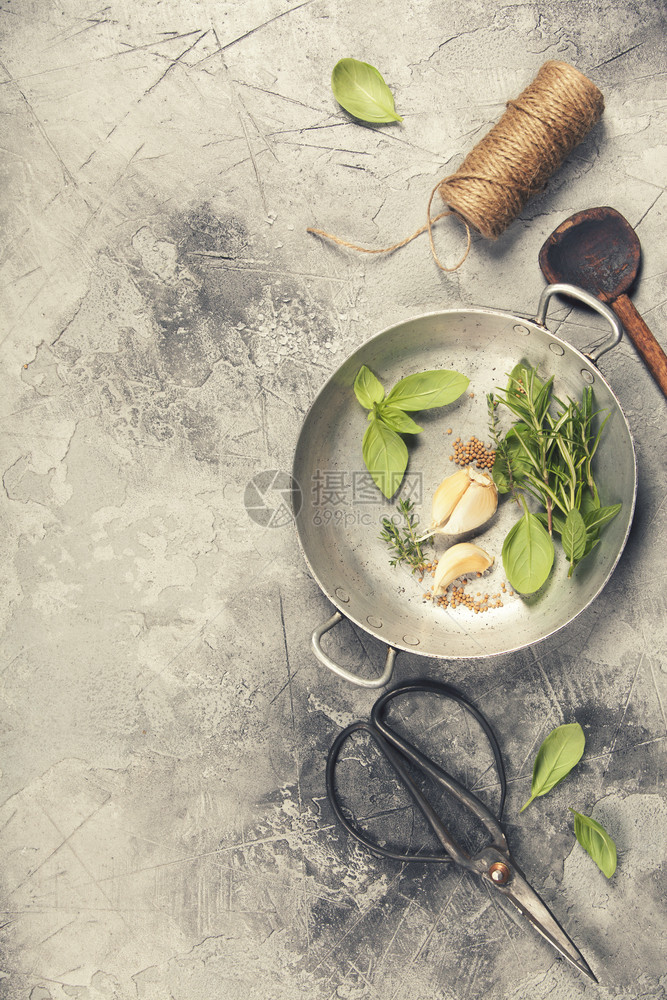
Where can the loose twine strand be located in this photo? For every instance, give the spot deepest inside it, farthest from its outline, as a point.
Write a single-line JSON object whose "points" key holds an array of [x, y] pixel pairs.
{"points": [[513, 161]]}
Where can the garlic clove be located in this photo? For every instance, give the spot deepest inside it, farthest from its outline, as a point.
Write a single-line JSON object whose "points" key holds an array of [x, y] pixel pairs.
{"points": [[476, 506], [447, 496], [457, 561]]}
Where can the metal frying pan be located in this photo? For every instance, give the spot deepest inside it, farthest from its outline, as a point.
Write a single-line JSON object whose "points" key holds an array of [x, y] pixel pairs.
{"points": [[339, 522]]}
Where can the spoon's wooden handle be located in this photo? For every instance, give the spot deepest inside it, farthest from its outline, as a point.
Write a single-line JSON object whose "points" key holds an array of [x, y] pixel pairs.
{"points": [[643, 339]]}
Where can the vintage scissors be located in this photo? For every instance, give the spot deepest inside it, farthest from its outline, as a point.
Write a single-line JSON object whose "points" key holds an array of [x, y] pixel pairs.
{"points": [[493, 863]]}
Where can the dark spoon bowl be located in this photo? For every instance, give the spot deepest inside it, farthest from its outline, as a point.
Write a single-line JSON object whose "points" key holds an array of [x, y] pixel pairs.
{"points": [[598, 250]]}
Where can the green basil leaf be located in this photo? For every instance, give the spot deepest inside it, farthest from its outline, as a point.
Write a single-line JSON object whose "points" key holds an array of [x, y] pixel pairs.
{"points": [[589, 502], [596, 841], [573, 537], [398, 420], [385, 455], [557, 522], [520, 429], [361, 90], [591, 542], [511, 463], [524, 447], [517, 405], [519, 439], [528, 554], [559, 753], [523, 380], [425, 390], [500, 473], [519, 374], [597, 518], [367, 388]]}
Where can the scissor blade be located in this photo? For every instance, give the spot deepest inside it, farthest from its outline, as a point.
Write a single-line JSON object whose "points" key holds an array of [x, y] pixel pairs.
{"points": [[527, 901]]}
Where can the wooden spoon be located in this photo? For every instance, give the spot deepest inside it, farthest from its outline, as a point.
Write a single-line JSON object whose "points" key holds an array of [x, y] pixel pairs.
{"points": [[599, 250]]}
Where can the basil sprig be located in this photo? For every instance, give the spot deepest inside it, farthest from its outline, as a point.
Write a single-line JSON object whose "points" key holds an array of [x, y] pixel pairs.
{"points": [[596, 841], [360, 89], [547, 456], [384, 450], [558, 754]]}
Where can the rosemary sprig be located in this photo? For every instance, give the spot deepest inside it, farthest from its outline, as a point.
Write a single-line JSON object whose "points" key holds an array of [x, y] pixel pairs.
{"points": [[402, 538], [548, 456]]}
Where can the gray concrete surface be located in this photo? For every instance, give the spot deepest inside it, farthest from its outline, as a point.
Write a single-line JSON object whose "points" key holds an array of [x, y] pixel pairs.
{"points": [[166, 323]]}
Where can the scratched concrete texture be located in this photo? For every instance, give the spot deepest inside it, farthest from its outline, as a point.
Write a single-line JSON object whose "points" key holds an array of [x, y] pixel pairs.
{"points": [[166, 323]]}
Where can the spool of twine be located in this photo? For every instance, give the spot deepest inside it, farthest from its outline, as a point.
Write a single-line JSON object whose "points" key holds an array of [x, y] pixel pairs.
{"points": [[513, 161]]}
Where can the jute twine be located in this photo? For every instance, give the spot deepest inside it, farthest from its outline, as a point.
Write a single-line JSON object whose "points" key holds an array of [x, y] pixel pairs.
{"points": [[513, 161]]}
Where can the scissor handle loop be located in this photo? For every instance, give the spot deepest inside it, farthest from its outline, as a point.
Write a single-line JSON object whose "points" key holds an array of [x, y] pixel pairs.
{"points": [[446, 691], [385, 739], [351, 828]]}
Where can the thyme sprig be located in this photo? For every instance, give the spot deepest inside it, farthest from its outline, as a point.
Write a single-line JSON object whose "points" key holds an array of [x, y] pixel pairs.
{"points": [[403, 540]]}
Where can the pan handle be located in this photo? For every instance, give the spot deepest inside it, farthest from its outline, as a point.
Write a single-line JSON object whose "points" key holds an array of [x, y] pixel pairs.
{"points": [[347, 675], [575, 292]]}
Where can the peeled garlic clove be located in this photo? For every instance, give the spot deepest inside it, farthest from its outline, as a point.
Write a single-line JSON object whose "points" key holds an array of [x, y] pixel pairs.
{"points": [[457, 561], [463, 502]]}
